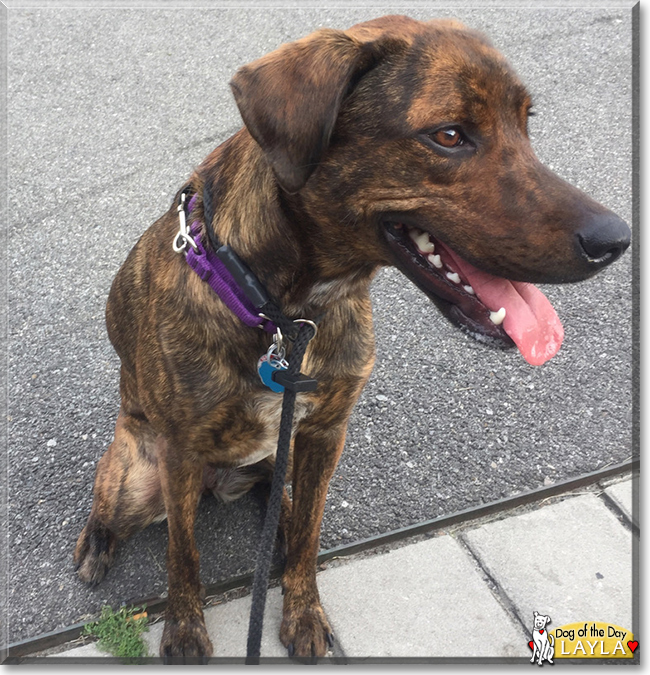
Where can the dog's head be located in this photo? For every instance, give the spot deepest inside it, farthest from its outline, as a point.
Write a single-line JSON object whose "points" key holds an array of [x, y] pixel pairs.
{"points": [[409, 141], [540, 620]]}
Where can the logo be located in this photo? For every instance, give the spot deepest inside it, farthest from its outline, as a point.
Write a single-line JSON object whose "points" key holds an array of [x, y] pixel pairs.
{"points": [[594, 640], [582, 640], [542, 644]]}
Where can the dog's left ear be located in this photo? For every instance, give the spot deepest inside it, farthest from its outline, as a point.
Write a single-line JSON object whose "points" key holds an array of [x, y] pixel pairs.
{"points": [[290, 98]]}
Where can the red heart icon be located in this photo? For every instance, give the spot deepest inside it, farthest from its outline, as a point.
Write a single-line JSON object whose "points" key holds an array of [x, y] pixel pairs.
{"points": [[530, 644], [633, 646], [541, 631]]}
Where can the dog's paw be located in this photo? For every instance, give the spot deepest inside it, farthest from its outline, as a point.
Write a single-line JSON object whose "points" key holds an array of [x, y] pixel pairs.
{"points": [[185, 641], [94, 553], [305, 631]]}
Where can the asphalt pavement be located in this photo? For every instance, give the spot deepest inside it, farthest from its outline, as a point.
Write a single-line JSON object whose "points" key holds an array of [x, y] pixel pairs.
{"points": [[109, 110]]}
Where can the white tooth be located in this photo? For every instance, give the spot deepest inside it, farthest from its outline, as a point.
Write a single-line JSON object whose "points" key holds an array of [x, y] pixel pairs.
{"points": [[414, 233], [498, 317], [469, 289], [453, 276], [435, 261], [423, 243]]}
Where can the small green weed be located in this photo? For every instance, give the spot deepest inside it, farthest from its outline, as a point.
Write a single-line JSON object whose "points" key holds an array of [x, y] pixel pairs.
{"points": [[120, 633]]}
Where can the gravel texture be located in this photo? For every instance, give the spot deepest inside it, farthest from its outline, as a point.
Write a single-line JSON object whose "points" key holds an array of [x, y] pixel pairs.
{"points": [[108, 112]]}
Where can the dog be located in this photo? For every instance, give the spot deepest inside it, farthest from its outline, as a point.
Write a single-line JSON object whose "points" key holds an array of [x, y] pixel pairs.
{"points": [[543, 643], [395, 142]]}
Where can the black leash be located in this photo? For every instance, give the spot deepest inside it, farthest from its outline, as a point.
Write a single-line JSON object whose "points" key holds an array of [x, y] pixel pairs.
{"points": [[293, 381]]}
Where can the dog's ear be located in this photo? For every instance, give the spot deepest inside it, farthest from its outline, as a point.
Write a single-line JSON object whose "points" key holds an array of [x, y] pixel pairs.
{"points": [[290, 98]]}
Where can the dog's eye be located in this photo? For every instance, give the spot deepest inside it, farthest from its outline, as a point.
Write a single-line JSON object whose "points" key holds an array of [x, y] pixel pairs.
{"points": [[450, 141], [448, 138]]}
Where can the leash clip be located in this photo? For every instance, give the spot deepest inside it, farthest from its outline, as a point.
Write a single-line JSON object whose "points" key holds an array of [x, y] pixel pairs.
{"points": [[277, 347], [183, 236]]}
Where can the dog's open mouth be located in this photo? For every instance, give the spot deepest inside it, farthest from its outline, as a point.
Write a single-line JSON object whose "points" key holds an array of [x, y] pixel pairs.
{"points": [[491, 309]]}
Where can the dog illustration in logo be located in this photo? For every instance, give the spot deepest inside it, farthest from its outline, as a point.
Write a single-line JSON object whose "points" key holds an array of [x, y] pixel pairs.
{"points": [[543, 644]]}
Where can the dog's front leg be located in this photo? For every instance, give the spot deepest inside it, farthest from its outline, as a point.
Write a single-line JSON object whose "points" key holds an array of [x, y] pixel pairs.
{"points": [[185, 638], [305, 630]]}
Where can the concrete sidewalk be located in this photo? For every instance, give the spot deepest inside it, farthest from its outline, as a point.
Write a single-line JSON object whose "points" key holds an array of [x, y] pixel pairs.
{"points": [[466, 592]]}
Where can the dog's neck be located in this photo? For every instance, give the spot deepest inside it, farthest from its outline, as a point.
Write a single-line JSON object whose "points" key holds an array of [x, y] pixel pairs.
{"points": [[290, 253]]}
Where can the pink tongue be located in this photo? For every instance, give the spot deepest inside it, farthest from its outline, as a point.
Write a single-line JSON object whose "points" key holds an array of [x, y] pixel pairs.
{"points": [[530, 321]]}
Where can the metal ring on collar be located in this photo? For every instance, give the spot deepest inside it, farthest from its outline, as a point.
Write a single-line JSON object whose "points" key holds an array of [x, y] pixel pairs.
{"points": [[265, 318], [311, 323]]}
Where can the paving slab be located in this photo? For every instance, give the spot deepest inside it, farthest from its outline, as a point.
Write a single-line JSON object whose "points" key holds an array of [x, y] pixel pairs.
{"points": [[571, 560], [84, 651], [426, 599], [621, 494], [227, 626]]}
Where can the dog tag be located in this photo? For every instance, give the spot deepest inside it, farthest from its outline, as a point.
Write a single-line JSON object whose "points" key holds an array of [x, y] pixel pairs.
{"points": [[266, 366]]}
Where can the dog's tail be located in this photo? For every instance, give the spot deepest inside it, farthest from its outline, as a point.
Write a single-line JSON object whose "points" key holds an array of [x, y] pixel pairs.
{"points": [[551, 639]]}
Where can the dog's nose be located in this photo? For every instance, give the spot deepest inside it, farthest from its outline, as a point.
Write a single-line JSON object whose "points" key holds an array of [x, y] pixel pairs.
{"points": [[603, 239]]}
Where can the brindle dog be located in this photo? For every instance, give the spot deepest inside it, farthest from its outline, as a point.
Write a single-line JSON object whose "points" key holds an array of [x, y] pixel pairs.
{"points": [[395, 142]]}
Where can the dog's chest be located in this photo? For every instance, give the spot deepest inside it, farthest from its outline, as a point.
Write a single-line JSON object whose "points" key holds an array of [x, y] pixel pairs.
{"points": [[264, 410]]}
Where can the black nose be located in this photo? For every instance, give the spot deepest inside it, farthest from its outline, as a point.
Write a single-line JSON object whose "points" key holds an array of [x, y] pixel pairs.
{"points": [[603, 238]]}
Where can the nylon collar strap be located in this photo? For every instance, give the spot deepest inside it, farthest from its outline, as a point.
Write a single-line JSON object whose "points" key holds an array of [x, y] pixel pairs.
{"points": [[228, 276]]}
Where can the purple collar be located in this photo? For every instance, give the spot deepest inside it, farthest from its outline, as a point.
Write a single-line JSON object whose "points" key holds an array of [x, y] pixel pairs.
{"points": [[211, 270]]}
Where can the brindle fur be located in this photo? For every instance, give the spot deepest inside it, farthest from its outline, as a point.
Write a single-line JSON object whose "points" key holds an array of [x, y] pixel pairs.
{"points": [[330, 144]]}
